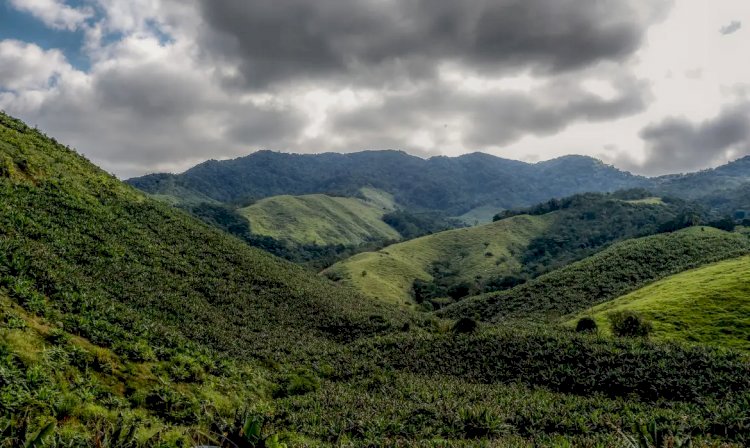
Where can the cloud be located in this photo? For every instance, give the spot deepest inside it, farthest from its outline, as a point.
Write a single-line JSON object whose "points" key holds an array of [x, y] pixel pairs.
{"points": [[27, 67], [172, 83], [55, 13], [731, 28], [148, 107], [378, 42], [482, 119], [679, 145]]}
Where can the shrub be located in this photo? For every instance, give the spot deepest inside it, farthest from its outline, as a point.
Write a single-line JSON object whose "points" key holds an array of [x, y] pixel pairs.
{"points": [[586, 325], [299, 383], [465, 325], [629, 324]]}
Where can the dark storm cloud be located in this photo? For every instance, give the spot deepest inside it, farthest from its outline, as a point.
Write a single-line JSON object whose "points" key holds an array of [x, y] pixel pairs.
{"points": [[369, 41], [677, 144], [731, 28]]}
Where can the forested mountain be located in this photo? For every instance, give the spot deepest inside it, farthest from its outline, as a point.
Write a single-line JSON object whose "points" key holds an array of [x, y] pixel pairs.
{"points": [[454, 185], [707, 182]]}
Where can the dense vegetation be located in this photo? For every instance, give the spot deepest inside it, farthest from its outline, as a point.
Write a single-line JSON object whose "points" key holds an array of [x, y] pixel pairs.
{"points": [[517, 246], [584, 223], [452, 185], [147, 284], [128, 323], [524, 382], [615, 271]]}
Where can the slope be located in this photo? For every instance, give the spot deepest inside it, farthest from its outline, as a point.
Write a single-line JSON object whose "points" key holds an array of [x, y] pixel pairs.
{"points": [[604, 276], [482, 251], [320, 219], [710, 304], [520, 245], [94, 258]]}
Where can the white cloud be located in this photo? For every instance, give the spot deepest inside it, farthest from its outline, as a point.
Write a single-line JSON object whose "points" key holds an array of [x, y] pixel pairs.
{"points": [[26, 67], [55, 13]]}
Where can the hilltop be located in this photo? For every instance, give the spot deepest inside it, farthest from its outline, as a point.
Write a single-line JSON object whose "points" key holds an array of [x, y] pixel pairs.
{"points": [[319, 219], [484, 251]]}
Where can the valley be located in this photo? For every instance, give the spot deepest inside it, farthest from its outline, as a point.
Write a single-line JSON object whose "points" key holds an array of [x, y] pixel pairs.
{"points": [[134, 320]]}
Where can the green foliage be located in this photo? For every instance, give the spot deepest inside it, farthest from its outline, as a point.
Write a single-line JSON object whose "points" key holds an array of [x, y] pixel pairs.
{"points": [[586, 325], [442, 260], [629, 324], [708, 305], [311, 255], [452, 185], [156, 328], [607, 275], [465, 325], [412, 225]]}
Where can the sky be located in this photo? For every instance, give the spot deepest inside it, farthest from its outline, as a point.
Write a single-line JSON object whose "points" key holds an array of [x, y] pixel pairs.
{"points": [[140, 86]]}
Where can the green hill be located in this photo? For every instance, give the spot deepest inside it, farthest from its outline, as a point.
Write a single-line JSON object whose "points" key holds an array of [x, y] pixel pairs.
{"points": [[604, 276], [320, 219], [519, 245], [710, 304], [483, 251], [117, 276]]}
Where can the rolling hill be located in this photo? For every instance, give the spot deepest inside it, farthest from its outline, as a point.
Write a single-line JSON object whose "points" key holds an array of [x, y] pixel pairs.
{"points": [[710, 305], [321, 220], [617, 270], [484, 251], [125, 322], [152, 300], [508, 251]]}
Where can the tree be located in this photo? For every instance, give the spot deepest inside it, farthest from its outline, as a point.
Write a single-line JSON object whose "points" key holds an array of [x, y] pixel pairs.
{"points": [[629, 324]]}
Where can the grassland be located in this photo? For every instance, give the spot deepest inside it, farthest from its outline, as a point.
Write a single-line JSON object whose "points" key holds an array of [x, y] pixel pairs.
{"points": [[320, 219], [479, 215], [478, 252], [709, 305], [617, 270], [647, 201]]}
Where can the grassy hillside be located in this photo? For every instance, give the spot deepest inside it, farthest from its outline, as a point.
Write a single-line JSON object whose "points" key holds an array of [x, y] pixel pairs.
{"points": [[95, 259], [482, 251], [519, 245], [604, 276], [320, 219], [710, 305]]}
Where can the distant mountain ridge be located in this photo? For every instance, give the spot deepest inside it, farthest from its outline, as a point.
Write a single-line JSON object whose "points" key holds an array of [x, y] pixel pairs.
{"points": [[454, 185]]}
